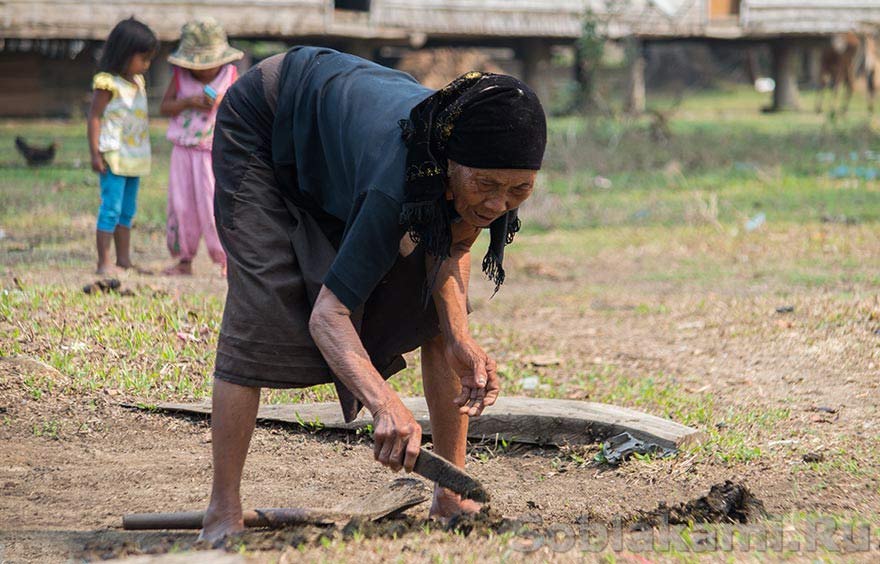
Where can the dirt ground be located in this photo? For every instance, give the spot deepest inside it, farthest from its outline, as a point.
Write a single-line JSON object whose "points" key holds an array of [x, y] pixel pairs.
{"points": [[713, 339]]}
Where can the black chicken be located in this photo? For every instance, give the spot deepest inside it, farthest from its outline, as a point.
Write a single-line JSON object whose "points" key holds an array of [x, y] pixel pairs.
{"points": [[36, 156]]}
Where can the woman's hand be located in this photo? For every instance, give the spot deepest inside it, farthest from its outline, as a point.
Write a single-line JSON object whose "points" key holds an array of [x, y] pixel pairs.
{"points": [[397, 436], [478, 374]]}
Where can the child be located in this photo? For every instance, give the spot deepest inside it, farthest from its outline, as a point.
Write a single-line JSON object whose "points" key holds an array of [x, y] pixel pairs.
{"points": [[119, 136], [202, 74]]}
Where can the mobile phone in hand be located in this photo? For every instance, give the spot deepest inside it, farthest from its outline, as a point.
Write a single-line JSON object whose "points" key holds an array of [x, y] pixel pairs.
{"points": [[210, 93]]}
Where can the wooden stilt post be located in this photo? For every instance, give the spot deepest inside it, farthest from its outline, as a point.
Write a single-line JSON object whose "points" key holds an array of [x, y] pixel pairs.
{"points": [[636, 95], [785, 67]]}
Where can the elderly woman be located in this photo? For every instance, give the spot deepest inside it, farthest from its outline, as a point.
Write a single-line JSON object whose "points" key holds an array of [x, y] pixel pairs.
{"points": [[347, 199]]}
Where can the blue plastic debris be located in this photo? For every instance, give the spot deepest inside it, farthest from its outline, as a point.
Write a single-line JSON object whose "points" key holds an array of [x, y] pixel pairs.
{"points": [[867, 173], [641, 214], [863, 172], [756, 222], [841, 171]]}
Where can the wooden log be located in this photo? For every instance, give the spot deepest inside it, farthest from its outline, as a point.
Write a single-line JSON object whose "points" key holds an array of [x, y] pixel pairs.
{"points": [[513, 419]]}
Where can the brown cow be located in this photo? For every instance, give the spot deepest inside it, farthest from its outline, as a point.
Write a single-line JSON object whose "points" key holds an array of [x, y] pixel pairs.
{"points": [[872, 69], [839, 66]]}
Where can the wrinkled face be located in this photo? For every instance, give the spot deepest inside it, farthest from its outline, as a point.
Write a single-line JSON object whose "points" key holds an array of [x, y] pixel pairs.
{"points": [[139, 63], [482, 195]]}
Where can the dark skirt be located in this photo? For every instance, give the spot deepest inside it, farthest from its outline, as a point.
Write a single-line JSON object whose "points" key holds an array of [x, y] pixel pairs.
{"points": [[278, 250]]}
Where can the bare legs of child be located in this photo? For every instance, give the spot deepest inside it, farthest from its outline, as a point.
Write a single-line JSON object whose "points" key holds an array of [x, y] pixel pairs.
{"points": [[191, 210], [103, 240], [122, 239], [183, 267]]}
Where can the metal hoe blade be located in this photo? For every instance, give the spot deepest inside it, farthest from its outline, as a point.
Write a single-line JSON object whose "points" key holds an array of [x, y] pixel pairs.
{"points": [[438, 469]]}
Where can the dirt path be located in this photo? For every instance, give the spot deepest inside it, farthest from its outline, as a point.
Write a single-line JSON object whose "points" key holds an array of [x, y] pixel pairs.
{"points": [[776, 387]]}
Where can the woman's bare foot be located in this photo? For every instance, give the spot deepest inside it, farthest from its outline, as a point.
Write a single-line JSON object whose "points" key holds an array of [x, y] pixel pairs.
{"points": [[219, 524], [182, 268], [447, 504]]}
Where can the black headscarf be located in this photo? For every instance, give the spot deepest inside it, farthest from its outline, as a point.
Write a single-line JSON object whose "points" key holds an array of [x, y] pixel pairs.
{"points": [[480, 120]]}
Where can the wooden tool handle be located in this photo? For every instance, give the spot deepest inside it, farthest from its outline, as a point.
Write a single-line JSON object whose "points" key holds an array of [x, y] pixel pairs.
{"points": [[272, 518], [150, 521]]}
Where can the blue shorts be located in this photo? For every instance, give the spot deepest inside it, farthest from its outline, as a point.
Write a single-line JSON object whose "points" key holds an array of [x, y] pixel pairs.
{"points": [[118, 201]]}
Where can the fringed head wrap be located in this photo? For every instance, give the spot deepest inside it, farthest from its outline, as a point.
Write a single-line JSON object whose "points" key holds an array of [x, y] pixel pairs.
{"points": [[480, 120]]}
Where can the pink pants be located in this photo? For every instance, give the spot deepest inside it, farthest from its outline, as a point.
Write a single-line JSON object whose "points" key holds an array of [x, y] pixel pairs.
{"points": [[191, 205]]}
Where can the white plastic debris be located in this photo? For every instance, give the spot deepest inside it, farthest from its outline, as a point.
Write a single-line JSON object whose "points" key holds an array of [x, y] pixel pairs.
{"points": [[529, 383], [765, 84]]}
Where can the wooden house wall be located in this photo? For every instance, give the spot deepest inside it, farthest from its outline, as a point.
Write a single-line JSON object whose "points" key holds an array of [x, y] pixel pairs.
{"points": [[810, 17]]}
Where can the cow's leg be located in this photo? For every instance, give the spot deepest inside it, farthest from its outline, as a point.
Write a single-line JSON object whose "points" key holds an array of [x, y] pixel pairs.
{"points": [[832, 105], [849, 81], [823, 84]]}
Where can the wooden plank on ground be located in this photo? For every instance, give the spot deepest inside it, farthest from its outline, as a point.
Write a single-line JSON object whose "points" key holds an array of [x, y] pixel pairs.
{"points": [[514, 419]]}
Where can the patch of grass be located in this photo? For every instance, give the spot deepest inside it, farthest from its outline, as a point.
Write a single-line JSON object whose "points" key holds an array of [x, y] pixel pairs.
{"points": [[50, 429], [311, 426], [858, 459], [716, 169], [732, 435], [129, 344], [319, 393], [735, 436], [488, 448]]}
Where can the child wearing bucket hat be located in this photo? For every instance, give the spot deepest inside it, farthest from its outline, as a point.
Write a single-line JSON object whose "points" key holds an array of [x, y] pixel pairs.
{"points": [[203, 71]]}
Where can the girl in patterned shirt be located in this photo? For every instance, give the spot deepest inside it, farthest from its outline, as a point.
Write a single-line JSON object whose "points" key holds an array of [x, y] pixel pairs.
{"points": [[119, 136]]}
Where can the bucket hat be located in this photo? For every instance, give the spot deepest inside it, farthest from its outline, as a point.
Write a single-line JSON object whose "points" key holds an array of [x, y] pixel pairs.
{"points": [[203, 45]]}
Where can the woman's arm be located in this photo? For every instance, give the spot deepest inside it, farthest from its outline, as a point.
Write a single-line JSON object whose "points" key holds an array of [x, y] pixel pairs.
{"points": [[397, 435], [100, 99], [479, 381], [450, 288]]}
